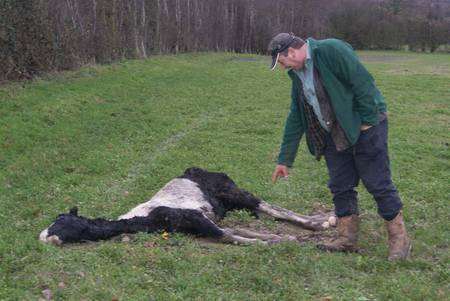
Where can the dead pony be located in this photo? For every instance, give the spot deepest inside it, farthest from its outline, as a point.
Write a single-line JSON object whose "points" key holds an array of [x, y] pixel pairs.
{"points": [[191, 203]]}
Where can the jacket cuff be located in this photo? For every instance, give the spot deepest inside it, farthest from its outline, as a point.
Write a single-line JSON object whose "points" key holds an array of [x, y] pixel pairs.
{"points": [[370, 120], [284, 162]]}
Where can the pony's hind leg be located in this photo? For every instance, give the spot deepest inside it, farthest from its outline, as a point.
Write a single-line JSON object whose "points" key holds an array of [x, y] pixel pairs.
{"points": [[230, 236], [269, 237]]}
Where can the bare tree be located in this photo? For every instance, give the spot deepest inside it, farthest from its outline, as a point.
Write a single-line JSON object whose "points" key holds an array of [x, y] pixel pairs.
{"points": [[44, 35]]}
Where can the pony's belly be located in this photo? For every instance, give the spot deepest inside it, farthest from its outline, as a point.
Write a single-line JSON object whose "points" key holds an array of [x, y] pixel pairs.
{"points": [[178, 194]]}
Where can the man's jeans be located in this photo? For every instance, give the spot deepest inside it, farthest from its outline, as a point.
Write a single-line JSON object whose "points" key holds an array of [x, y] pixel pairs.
{"points": [[367, 160]]}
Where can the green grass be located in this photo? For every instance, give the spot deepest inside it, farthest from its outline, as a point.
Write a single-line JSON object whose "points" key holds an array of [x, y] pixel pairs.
{"points": [[105, 138]]}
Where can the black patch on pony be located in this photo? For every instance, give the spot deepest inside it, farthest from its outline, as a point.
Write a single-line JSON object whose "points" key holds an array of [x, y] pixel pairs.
{"points": [[74, 228], [221, 192]]}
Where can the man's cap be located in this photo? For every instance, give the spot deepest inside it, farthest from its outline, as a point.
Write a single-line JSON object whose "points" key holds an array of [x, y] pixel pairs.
{"points": [[280, 43]]}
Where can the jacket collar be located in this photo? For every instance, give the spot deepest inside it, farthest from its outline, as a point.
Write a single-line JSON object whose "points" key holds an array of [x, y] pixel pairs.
{"points": [[312, 44]]}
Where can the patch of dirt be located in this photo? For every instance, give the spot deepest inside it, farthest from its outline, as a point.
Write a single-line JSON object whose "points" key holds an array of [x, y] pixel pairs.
{"points": [[383, 58], [423, 70], [267, 225], [246, 59]]}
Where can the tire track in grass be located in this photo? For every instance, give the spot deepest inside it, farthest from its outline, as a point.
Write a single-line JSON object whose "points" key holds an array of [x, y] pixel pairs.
{"points": [[117, 188]]}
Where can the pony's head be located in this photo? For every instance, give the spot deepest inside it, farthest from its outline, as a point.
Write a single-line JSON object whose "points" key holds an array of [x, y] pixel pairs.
{"points": [[68, 227]]}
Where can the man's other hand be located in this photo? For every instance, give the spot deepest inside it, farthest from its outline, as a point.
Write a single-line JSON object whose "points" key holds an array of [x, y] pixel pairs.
{"points": [[280, 171]]}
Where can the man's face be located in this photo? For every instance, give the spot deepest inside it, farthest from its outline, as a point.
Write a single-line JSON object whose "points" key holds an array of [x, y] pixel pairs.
{"points": [[295, 59]]}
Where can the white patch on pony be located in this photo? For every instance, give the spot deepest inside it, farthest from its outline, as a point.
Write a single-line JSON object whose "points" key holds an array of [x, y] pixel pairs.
{"points": [[43, 235], [179, 193]]}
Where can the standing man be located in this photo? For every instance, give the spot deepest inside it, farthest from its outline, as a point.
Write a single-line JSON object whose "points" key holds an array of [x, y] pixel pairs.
{"points": [[336, 104]]}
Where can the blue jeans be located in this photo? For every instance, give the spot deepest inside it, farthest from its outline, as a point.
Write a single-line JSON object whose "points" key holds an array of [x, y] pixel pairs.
{"points": [[367, 160]]}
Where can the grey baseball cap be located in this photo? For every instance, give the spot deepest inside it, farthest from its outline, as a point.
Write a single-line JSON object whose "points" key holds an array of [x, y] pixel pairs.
{"points": [[280, 43]]}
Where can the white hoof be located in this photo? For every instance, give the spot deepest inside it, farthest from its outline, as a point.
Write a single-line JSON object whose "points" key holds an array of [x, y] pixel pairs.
{"points": [[332, 220], [326, 225]]}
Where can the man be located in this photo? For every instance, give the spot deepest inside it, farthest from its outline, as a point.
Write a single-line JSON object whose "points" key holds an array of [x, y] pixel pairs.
{"points": [[336, 104]]}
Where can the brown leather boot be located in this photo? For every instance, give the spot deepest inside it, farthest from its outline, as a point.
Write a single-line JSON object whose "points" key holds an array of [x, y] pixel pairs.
{"points": [[399, 243], [347, 228]]}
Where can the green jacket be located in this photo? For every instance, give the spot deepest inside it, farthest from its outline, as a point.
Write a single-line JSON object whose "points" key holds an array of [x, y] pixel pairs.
{"points": [[353, 95]]}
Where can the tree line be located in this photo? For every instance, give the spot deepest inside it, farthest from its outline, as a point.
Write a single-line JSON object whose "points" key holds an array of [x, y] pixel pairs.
{"points": [[46, 35]]}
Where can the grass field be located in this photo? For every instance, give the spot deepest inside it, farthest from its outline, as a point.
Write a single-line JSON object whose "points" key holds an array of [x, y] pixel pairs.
{"points": [[105, 138]]}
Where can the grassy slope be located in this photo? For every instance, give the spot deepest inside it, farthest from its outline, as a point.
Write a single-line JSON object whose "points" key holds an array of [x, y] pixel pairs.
{"points": [[107, 137]]}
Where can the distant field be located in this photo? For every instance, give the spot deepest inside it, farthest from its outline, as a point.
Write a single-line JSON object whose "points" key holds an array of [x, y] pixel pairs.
{"points": [[105, 138]]}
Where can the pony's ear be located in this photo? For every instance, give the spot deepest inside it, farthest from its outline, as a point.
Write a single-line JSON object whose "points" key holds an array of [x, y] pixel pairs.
{"points": [[74, 211]]}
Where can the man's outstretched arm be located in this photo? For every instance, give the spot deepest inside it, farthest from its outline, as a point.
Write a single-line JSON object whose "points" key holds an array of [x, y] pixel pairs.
{"points": [[293, 132]]}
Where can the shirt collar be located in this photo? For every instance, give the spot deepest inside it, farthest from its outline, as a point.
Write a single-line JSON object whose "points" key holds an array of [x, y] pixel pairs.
{"points": [[308, 60]]}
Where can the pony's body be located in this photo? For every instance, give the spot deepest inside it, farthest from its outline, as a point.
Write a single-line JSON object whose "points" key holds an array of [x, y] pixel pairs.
{"points": [[191, 204], [178, 193]]}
